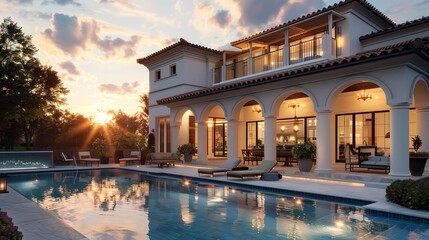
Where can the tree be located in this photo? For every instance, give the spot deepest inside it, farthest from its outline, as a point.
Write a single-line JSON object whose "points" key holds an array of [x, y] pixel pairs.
{"points": [[143, 116], [126, 122], [28, 90]]}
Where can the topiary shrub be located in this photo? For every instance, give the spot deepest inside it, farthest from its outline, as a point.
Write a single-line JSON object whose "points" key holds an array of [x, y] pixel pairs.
{"points": [[409, 193], [7, 229]]}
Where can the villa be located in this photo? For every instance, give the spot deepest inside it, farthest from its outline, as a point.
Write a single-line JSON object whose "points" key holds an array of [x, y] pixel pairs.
{"points": [[345, 74]]}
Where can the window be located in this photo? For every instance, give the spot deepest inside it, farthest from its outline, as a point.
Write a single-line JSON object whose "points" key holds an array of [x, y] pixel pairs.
{"points": [[157, 74], [173, 70]]}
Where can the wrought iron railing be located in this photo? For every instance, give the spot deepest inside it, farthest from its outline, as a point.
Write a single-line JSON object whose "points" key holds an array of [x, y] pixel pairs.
{"points": [[305, 51], [217, 75], [236, 69], [268, 61], [301, 52]]}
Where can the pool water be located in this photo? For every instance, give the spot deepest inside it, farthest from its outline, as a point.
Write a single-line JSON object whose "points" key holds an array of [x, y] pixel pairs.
{"points": [[120, 204]]}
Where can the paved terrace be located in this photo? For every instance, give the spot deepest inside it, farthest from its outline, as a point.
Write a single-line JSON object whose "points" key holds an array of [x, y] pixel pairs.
{"points": [[36, 223]]}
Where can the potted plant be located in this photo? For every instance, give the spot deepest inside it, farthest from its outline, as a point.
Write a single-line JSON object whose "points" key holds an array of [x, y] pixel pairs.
{"points": [[101, 146], [187, 150], [417, 159], [304, 152]]}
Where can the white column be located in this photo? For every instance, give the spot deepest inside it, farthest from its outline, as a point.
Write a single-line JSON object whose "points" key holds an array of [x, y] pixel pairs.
{"points": [[329, 43], [232, 143], [223, 68], [270, 138], [250, 60], [399, 140], [422, 129], [202, 142], [286, 49], [324, 143], [175, 127]]}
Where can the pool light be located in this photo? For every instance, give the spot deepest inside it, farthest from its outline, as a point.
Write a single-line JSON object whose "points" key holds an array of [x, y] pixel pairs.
{"points": [[3, 183]]}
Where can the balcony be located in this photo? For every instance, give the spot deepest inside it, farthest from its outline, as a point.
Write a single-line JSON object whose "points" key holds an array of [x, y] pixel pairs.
{"points": [[297, 53]]}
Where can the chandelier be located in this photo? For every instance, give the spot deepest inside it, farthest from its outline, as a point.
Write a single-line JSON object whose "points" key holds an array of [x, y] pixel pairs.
{"points": [[364, 95], [295, 105]]}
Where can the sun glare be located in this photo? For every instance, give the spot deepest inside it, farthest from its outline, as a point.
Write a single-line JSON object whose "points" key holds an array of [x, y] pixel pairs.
{"points": [[102, 118]]}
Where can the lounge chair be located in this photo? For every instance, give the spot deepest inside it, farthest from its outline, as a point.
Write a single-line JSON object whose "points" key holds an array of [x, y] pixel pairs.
{"points": [[135, 157], [86, 158], [69, 160], [222, 168], [264, 167]]}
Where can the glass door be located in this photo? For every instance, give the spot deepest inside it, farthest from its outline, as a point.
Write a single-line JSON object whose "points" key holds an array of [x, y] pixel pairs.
{"points": [[220, 138]]}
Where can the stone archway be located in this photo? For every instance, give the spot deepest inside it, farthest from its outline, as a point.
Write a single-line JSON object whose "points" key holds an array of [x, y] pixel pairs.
{"points": [[361, 115], [421, 104]]}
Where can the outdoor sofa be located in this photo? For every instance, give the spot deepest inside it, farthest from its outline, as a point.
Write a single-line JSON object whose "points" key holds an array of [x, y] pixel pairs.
{"points": [[162, 159], [377, 163]]}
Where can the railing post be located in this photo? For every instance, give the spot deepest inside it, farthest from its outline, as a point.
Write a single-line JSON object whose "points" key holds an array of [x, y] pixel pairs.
{"points": [[250, 60], [286, 49], [223, 73]]}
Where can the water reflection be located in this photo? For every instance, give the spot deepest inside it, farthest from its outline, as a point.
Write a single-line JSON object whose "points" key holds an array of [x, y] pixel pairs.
{"points": [[117, 204]]}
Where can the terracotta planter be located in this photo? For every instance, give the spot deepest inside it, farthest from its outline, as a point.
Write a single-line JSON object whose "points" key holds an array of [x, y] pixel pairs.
{"points": [[188, 157], [417, 165], [305, 165]]}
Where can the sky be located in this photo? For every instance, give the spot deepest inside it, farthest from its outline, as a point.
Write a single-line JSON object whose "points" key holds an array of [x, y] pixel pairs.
{"points": [[94, 44]]}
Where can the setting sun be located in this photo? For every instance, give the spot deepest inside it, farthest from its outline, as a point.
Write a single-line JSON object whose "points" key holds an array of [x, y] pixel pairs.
{"points": [[102, 118]]}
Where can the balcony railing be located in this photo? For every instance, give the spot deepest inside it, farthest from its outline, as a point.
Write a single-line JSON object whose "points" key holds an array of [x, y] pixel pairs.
{"points": [[298, 53], [268, 61], [305, 51], [217, 75], [236, 69]]}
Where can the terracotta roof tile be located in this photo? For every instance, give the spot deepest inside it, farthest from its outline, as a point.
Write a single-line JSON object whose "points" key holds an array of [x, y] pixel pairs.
{"points": [[416, 44], [181, 42], [323, 10], [396, 28]]}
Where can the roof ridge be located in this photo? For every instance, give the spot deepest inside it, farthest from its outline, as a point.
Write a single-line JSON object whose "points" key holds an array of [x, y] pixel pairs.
{"points": [[181, 41], [314, 13], [403, 25]]}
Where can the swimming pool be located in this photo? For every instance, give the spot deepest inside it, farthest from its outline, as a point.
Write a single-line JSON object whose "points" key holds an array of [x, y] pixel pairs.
{"points": [[120, 204]]}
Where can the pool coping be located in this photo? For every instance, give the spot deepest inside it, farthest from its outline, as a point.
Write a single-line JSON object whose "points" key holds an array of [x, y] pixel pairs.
{"points": [[373, 207], [314, 196]]}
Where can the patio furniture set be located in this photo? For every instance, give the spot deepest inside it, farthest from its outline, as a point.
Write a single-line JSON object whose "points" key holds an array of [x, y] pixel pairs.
{"points": [[365, 159]]}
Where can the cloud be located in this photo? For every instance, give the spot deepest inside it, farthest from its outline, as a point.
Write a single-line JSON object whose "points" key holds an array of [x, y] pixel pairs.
{"points": [[21, 1], [47, 2], [69, 67], [35, 15], [168, 42], [125, 88], [222, 18], [73, 36], [178, 6], [126, 8], [62, 2], [244, 17]]}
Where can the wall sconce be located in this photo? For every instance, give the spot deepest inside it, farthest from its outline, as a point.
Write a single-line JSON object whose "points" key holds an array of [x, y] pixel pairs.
{"points": [[3, 183], [257, 109], [295, 125], [364, 95]]}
